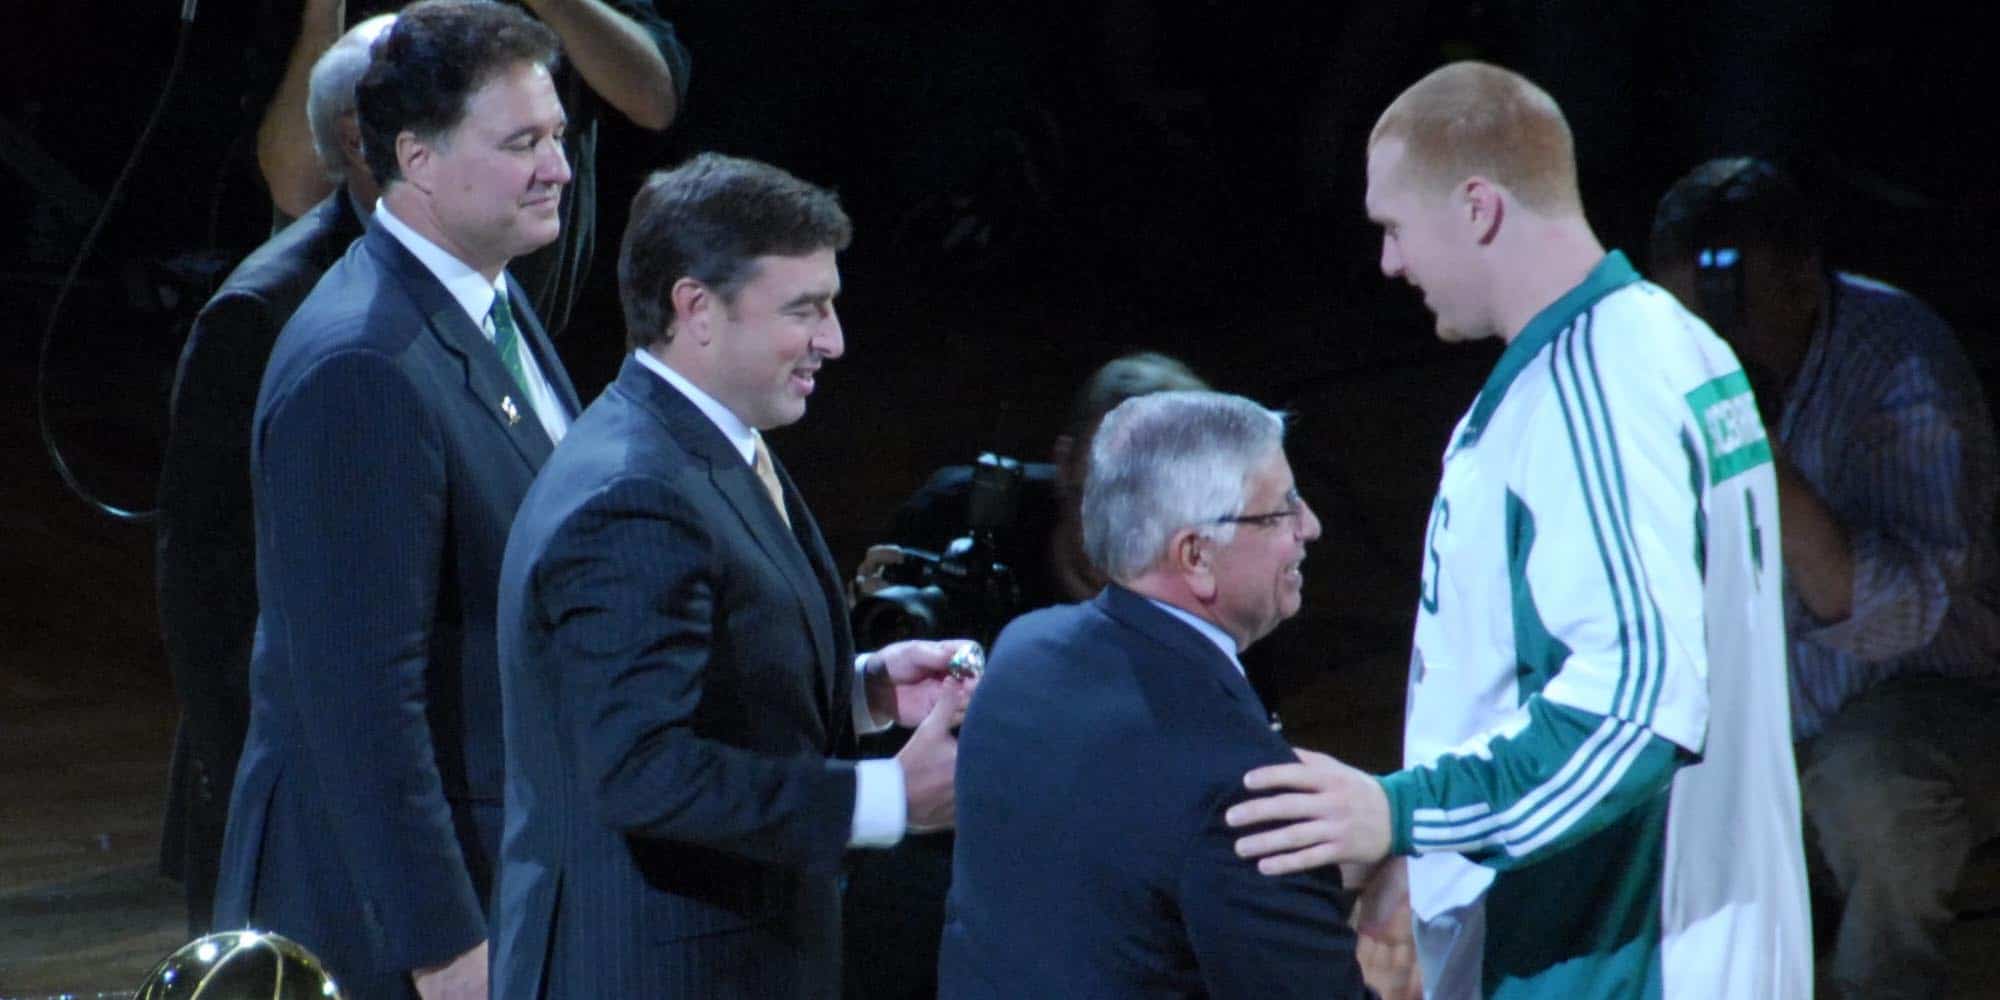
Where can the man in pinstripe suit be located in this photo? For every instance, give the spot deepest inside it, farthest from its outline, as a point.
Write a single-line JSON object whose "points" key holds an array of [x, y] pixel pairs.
{"points": [[679, 687], [403, 414]]}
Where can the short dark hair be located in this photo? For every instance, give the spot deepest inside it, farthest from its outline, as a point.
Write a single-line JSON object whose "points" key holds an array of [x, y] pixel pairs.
{"points": [[709, 219], [424, 71], [1741, 199]]}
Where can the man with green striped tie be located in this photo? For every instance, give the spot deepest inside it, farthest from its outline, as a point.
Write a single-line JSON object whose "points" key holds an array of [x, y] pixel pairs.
{"points": [[405, 409]]}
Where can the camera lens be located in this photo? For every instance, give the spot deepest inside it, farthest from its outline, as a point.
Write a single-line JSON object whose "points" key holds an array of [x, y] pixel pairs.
{"points": [[898, 612]]}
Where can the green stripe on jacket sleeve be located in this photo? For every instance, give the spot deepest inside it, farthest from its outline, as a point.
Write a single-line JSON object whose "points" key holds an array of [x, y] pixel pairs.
{"points": [[1563, 776]]}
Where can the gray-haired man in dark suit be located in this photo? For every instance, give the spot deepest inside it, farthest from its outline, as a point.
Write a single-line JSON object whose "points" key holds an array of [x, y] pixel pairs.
{"points": [[1110, 736]]}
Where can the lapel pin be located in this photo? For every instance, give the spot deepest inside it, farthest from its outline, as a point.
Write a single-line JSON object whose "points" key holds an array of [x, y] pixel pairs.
{"points": [[513, 413]]}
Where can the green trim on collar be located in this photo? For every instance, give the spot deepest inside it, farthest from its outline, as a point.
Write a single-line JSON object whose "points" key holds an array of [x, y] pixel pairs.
{"points": [[1610, 274]]}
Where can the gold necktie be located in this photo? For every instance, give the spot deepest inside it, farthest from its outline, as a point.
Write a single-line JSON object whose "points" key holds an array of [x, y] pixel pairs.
{"points": [[768, 475]]}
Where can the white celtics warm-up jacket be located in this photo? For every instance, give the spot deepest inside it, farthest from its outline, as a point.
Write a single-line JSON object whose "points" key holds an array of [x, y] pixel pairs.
{"points": [[1598, 744]]}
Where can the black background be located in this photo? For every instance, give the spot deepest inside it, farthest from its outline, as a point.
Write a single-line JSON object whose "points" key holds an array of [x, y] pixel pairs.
{"points": [[1037, 186]]}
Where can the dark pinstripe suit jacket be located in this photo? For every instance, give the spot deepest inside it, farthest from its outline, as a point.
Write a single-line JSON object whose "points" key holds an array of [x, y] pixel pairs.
{"points": [[676, 672], [206, 557], [389, 452]]}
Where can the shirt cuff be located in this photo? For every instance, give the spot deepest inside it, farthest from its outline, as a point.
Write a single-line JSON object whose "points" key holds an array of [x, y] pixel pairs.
{"points": [[880, 813], [865, 722]]}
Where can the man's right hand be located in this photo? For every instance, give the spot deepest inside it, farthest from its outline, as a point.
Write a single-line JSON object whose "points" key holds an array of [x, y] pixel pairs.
{"points": [[1387, 946], [1331, 814], [462, 978], [929, 759]]}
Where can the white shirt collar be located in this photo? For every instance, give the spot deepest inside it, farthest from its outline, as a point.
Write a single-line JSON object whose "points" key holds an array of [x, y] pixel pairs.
{"points": [[1214, 632], [474, 293], [740, 434]]}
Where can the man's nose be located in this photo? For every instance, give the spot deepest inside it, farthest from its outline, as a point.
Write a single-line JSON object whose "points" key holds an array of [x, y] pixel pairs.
{"points": [[553, 166], [828, 340], [1308, 521]]}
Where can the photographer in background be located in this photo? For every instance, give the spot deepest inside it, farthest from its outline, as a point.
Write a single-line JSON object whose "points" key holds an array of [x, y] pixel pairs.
{"points": [[1886, 469], [894, 903], [1044, 544]]}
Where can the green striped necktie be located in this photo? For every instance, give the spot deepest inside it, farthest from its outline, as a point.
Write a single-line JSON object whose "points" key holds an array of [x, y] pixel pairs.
{"points": [[508, 340]]}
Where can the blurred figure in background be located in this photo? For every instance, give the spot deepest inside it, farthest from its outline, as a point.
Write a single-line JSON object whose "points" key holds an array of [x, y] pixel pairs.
{"points": [[207, 552], [1887, 468]]}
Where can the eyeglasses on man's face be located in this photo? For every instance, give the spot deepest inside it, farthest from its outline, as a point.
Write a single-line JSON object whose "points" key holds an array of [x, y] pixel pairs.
{"points": [[1294, 506]]}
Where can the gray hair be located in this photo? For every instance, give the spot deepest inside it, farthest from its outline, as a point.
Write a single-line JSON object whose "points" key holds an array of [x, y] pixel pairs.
{"points": [[330, 90], [1168, 461]]}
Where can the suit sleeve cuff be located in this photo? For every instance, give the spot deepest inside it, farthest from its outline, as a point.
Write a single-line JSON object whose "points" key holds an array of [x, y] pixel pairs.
{"points": [[879, 810]]}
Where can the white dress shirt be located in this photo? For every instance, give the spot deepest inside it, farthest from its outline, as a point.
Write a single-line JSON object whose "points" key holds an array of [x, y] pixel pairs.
{"points": [[475, 295]]}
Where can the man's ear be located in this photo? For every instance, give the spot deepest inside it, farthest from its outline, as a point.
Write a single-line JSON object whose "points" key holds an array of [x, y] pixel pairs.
{"points": [[694, 306], [1191, 557], [415, 160], [1481, 205], [349, 127]]}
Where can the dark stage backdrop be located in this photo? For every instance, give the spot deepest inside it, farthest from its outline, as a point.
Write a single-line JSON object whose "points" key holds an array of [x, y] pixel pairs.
{"points": [[1038, 185]]}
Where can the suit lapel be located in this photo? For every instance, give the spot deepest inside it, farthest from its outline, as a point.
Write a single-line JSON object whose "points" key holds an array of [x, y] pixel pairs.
{"points": [[737, 483], [1168, 632], [486, 380], [805, 532]]}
